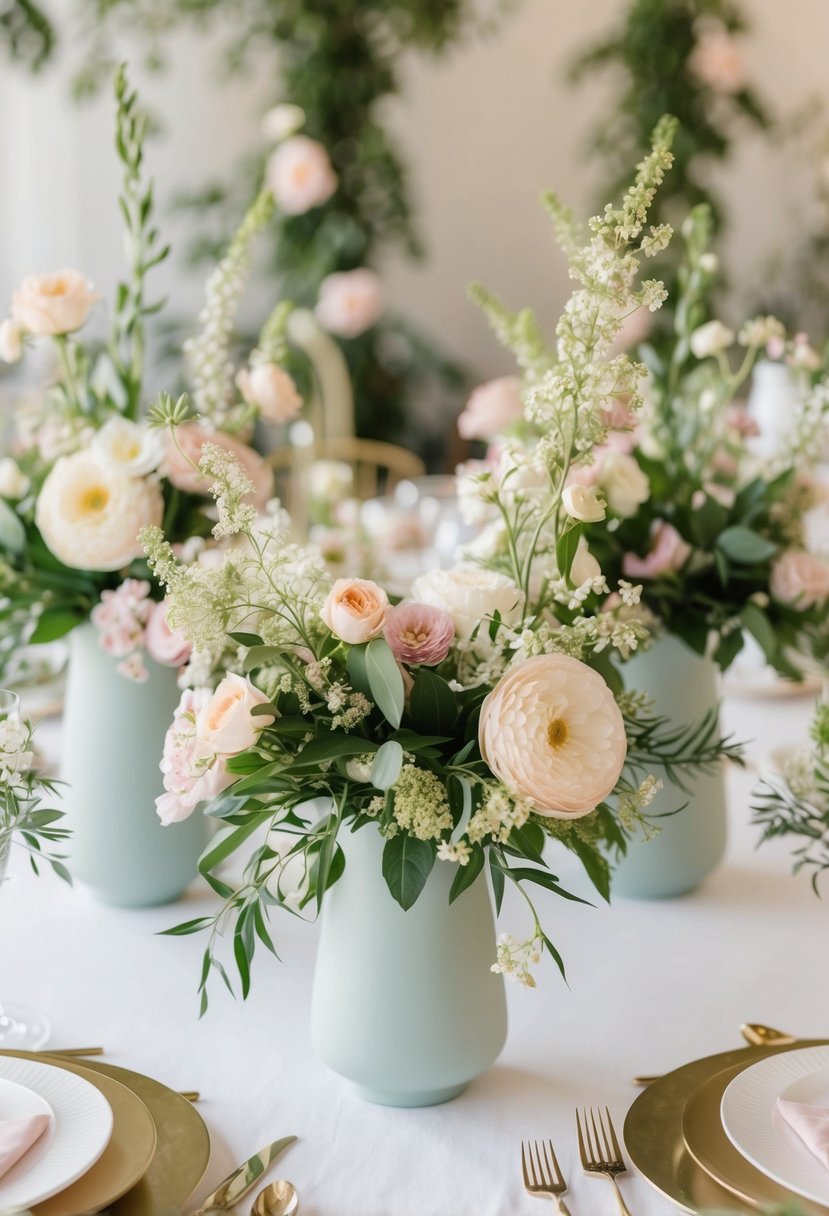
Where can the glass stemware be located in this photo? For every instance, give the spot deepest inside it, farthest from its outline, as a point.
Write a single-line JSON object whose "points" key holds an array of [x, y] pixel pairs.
{"points": [[20, 1028]]}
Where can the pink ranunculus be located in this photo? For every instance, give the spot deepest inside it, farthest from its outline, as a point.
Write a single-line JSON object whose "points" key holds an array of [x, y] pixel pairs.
{"points": [[350, 302], [419, 633], [191, 439], [355, 610], [191, 774], [492, 409], [167, 646], [225, 724], [800, 579], [300, 175], [271, 389], [668, 552]]}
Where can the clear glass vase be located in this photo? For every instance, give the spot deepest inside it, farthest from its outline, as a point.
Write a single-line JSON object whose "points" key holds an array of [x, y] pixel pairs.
{"points": [[20, 1028]]}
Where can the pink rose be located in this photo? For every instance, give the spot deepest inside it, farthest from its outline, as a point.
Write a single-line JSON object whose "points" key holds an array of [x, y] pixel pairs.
{"points": [[167, 646], [225, 724], [419, 633], [191, 439], [619, 416], [191, 776], [491, 409], [668, 552], [349, 303], [269, 387], [800, 579], [355, 610], [717, 61], [300, 175]]}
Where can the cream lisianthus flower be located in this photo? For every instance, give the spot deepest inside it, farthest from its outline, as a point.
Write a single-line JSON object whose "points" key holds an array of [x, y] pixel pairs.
{"points": [[710, 339], [90, 513], [583, 503], [133, 449], [50, 304], [471, 596], [553, 733], [13, 481], [625, 484]]}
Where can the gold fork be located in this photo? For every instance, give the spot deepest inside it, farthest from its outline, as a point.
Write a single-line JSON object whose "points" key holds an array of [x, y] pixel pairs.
{"points": [[600, 1153], [542, 1173]]}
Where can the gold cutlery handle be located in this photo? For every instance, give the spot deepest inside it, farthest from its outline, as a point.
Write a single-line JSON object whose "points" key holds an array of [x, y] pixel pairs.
{"points": [[73, 1051], [623, 1208], [563, 1209]]}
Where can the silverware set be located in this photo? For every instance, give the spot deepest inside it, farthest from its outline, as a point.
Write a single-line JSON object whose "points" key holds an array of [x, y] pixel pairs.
{"points": [[600, 1154]]}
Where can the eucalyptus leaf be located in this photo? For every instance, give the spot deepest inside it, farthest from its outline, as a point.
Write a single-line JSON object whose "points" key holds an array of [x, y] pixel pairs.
{"points": [[385, 680], [386, 766], [745, 546]]}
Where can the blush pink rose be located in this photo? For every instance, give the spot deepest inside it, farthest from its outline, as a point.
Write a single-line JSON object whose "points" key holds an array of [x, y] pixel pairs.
{"points": [[191, 775], [355, 610], [668, 552], [491, 409], [717, 60], [167, 646], [419, 633], [800, 578], [225, 724], [49, 304], [300, 175], [350, 302], [191, 439], [269, 387]]}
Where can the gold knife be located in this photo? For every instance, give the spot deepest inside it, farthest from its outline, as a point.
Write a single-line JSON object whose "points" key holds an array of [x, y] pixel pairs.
{"points": [[242, 1180]]}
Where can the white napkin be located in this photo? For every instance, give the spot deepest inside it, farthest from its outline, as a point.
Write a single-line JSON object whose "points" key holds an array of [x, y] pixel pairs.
{"points": [[811, 1123]]}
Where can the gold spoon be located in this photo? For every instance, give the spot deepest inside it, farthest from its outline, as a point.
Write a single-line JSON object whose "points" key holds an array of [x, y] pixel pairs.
{"points": [[278, 1199], [755, 1034]]}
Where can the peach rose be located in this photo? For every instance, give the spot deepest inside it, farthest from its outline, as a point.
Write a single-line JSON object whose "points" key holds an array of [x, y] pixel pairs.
{"points": [[50, 304], [225, 725], [300, 175], [491, 409], [800, 578], [552, 732], [167, 646], [355, 610], [349, 302], [191, 439], [269, 387]]}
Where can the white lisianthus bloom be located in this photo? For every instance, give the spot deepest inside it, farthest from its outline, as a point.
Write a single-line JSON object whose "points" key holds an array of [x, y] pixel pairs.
{"points": [[553, 733], [471, 597], [585, 568], [282, 121], [625, 485], [11, 341], [132, 448], [583, 503], [90, 513], [710, 339], [475, 488], [13, 481], [50, 304]]}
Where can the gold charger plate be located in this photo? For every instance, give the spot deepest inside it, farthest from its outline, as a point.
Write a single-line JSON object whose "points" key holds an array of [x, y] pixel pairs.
{"points": [[708, 1144], [653, 1130]]}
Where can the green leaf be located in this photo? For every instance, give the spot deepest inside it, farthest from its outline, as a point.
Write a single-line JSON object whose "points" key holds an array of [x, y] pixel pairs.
{"points": [[246, 639], [385, 680], [467, 874], [596, 867], [527, 841], [544, 879], [559, 961], [227, 841], [12, 531], [54, 623], [258, 656], [386, 766], [407, 863], [566, 547], [498, 882], [728, 649], [188, 926], [432, 704], [320, 750], [761, 629], [744, 546], [356, 666]]}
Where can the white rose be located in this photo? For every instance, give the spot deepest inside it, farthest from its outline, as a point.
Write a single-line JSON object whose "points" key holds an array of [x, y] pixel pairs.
{"points": [[626, 487], [490, 541], [133, 449], [13, 481], [49, 304], [585, 568], [471, 597], [269, 387], [582, 502], [520, 473], [710, 339], [281, 121], [11, 341]]}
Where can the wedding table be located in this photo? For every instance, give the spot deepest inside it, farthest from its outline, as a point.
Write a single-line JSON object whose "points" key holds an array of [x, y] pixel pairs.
{"points": [[651, 986]]}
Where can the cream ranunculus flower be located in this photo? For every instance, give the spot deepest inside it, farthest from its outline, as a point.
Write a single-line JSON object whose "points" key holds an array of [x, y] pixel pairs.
{"points": [[129, 447], [582, 502], [11, 341], [553, 733], [355, 610], [269, 388], [710, 339], [90, 513], [471, 596], [225, 725], [624, 483], [49, 304]]}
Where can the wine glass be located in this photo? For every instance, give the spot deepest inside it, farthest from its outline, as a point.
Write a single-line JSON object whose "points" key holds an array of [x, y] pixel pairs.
{"points": [[20, 1028]]}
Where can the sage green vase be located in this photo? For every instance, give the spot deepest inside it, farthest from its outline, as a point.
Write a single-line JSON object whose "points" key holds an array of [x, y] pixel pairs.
{"points": [[405, 1005], [690, 844], [113, 739]]}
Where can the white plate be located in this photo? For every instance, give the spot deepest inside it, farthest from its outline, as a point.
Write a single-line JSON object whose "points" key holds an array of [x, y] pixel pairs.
{"points": [[756, 1130], [82, 1126]]}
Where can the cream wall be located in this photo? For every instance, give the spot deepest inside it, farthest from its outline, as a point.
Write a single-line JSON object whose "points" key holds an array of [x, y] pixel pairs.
{"points": [[486, 130]]}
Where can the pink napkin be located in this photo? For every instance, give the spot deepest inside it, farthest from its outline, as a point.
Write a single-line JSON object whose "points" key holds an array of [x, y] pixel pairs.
{"points": [[811, 1123], [17, 1136]]}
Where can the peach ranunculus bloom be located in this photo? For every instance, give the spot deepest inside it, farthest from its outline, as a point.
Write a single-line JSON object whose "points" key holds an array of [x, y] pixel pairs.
{"points": [[492, 408], [49, 304], [349, 302], [89, 513], [300, 175], [167, 646], [668, 552], [225, 725], [269, 388], [552, 732], [191, 439], [355, 610], [800, 578]]}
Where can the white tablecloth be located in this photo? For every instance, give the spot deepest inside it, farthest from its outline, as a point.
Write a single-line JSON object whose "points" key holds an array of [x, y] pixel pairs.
{"points": [[652, 985]]}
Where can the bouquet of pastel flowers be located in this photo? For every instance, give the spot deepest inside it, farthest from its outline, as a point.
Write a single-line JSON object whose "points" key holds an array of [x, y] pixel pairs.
{"points": [[470, 724]]}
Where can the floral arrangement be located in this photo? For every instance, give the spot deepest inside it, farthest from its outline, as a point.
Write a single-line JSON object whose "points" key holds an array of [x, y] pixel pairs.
{"points": [[22, 817], [87, 473], [470, 724], [681, 500]]}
